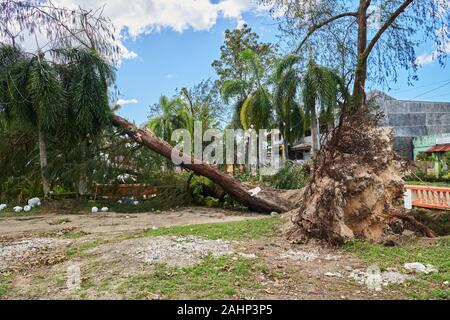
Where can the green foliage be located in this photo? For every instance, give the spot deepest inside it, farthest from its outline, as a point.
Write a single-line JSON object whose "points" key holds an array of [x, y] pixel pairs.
{"points": [[173, 115], [291, 176], [5, 280], [290, 116], [320, 84]]}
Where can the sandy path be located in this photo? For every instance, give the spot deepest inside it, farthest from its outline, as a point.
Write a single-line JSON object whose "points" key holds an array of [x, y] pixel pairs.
{"points": [[113, 223]]}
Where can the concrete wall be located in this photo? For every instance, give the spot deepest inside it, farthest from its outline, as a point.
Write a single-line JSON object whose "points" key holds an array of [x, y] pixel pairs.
{"points": [[410, 119]]}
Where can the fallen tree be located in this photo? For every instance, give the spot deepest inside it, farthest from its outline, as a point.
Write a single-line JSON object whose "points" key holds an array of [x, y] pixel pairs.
{"points": [[267, 200]]}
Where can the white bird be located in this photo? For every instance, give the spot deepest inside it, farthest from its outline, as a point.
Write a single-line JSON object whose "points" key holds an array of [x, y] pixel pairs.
{"points": [[105, 209], [94, 210], [17, 209], [3, 206], [254, 192], [27, 208]]}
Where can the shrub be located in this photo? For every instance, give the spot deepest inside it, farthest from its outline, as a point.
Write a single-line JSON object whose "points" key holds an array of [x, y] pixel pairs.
{"points": [[291, 176]]}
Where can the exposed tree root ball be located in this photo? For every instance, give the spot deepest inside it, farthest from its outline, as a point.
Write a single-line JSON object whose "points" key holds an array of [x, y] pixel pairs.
{"points": [[356, 187]]}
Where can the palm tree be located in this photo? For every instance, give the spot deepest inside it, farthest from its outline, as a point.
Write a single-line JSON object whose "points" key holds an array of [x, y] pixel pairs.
{"points": [[317, 88], [289, 115], [320, 94], [32, 95], [86, 76], [174, 115], [253, 107]]}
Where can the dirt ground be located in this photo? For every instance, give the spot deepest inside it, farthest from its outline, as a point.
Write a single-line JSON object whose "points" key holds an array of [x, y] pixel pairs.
{"points": [[90, 257]]}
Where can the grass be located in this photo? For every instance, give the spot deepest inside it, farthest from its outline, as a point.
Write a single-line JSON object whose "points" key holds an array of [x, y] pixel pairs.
{"points": [[428, 183], [425, 286], [228, 231], [5, 279], [9, 213], [214, 278], [79, 250], [75, 235]]}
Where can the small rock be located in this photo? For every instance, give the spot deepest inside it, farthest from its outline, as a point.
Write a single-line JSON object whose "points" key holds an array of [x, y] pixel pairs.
{"points": [[105, 209], [154, 228], [247, 255], [333, 274], [446, 283], [18, 209], [274, 214], [27, 208], [94, 209], [3, 206]]}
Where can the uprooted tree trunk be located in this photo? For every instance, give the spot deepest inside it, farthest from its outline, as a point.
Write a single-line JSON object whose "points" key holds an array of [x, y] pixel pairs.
{"points": [[356, 187], [265, 201]]}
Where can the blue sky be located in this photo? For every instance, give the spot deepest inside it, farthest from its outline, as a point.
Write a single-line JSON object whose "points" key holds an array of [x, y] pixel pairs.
{"points": [[168, 59]]}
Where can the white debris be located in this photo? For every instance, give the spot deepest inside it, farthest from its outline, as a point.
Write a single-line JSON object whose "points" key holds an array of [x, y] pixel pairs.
{"points": [[94, 210], [254, 192], [136, 203], [374, 279], [73, 277], [18, 209], [3, 206], [274, 214], [119, 201], [306, 256], [419, 267], [334, 274], [34, 202], [247, 255], [105, 209], [27, 208]]}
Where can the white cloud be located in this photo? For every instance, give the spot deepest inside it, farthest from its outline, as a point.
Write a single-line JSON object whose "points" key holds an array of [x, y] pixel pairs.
{"points": [[133, 18], [169, 76], [139, 17], [443, 48], [123, 102]]}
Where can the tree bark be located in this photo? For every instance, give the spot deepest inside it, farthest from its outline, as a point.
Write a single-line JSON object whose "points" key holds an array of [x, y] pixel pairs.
{"points": [[43, 162], [83, 180], [314, 133], [265, 201], [361, 64]]}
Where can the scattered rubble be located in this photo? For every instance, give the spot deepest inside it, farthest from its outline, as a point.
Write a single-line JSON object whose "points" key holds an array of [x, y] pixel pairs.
{"points": [[420, 267], [171, 250], [27, 251], [374, 279]]}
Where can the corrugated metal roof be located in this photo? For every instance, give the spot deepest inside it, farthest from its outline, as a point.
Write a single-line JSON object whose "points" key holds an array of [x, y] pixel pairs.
{"points": [[436, 149]]}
